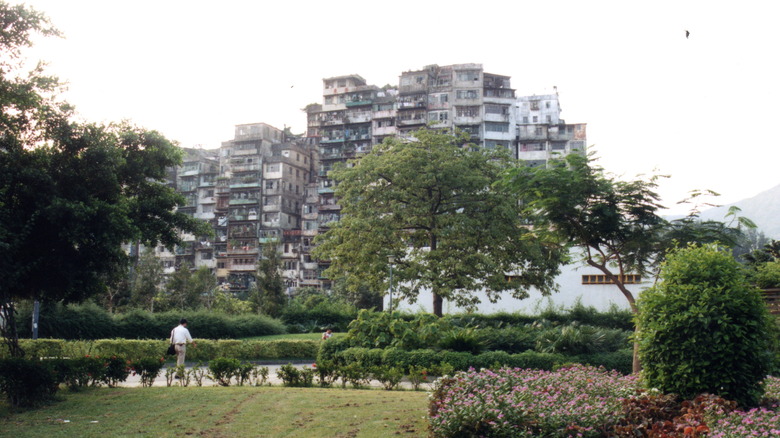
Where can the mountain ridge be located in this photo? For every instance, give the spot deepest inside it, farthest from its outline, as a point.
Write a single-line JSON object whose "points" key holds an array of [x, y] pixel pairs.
{"points": [[763, 209]]}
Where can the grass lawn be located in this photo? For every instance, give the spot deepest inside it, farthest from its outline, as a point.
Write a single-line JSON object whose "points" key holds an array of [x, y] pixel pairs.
{"points": [[294, 336], [223, 412]]}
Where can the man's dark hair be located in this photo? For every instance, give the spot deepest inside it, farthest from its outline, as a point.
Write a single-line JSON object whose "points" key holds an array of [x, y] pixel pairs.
{"points": [[183, 321]]}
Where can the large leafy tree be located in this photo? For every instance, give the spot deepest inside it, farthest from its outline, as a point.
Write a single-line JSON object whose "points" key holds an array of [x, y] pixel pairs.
{"points": [[268, 295], [70, 193], [615, 223], [432, 206]]}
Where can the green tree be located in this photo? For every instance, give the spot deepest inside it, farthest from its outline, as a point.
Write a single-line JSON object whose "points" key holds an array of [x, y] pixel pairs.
{"points": [[147, 278], [268, 295], [614, 222], [431, 205], [189, 289], [70, 193], [703, 328], [204, 285]]}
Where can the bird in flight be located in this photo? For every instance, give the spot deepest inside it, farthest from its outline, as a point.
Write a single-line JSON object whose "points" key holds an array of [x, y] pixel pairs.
{"points": [[687, 33]]}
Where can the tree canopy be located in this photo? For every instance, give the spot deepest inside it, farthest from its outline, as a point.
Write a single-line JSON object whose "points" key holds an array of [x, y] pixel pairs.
{"points": [[71, 193], [616, 223], [431, 205]]}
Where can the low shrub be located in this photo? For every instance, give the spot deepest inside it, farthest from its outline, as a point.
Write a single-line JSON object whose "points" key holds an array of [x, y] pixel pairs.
{"points": [[388, 377], [577, 401], [462, 339], [206, 350], [620, 361], [310, 315], [292, 376], [26, 383], [575, 339], [509, 339], [89, 322], [223, 369], [429, 359], [147, 369]]}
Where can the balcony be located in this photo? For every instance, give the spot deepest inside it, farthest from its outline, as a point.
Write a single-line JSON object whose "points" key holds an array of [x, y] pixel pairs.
{"points": [[312, 232], [333, 122], [242, 250], [331, 139], [322, 190], [243, 268], [492, 117], [244, 184], [244, 167], [243, 201], [327, 207], [384, 114], [384, 130], [239, 152], [354, 103], [361, 117], [271, 207]]}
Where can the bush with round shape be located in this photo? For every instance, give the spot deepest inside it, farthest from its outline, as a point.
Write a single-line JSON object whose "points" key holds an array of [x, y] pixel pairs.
{"points": [[703, 328]]}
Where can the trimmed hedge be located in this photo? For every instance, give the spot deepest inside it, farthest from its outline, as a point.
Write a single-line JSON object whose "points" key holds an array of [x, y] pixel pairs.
{"points": [[395, 357], [614, 318], [89, 321], [137, 349]]}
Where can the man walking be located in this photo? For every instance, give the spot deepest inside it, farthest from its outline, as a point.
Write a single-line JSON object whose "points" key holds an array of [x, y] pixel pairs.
{"points": [[180, 336]]}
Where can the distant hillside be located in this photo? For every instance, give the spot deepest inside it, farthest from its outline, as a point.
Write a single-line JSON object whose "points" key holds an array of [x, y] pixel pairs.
{"points": [[763, 209]]}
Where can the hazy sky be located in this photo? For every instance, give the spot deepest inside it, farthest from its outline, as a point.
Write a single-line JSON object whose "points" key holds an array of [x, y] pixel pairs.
{"points": [[702, 110]]}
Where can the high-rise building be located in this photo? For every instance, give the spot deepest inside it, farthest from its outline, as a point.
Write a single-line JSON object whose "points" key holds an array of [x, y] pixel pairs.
{"points": [[267, 187], [542, 134]]}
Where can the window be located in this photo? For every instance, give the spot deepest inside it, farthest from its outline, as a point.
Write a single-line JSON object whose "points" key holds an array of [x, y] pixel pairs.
{"points": [[497, 109], [272, 168], [467, 94], [531, 147], [220, 265], [525, 119], [342, 82], [438, 116], [491, 144], [444, 97], [536, 119], [496, 127], [603, 279], [549, 119], [468, 75], [547, 104], [328, 100], [471, 129], [534, 105], [467, 111]]}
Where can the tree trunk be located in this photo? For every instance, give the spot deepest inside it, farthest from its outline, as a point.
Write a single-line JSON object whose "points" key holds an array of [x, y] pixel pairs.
{"points": [[636, 366], [437, 304], [8, 328]]}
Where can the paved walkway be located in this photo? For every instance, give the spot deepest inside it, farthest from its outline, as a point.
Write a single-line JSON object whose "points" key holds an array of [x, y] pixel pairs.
{"points": [[161, 380]]}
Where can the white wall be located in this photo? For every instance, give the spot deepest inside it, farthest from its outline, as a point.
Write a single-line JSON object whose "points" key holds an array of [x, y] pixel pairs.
{"points": [[570, 289]]}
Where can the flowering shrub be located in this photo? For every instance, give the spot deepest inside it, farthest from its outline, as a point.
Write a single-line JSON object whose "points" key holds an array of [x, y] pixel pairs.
{"points": [[760, 422], [772, 387], [575, 401], [148, 369]]}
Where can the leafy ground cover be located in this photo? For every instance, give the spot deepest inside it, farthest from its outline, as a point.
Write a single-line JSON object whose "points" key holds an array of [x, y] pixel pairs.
{"points": [[288, 337], [585, 401], [223, 412]]}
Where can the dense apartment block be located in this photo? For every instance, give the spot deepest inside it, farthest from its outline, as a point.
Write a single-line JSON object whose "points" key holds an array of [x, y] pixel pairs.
{"points": [[541, 134], [264, 187]]}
